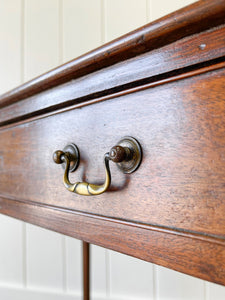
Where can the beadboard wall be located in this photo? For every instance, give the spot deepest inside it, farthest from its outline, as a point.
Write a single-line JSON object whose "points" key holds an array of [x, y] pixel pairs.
{"points": [[36, 264]]}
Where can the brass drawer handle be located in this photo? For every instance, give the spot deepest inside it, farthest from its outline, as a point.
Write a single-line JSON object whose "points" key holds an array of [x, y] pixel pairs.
{"points": [[126, 154]]}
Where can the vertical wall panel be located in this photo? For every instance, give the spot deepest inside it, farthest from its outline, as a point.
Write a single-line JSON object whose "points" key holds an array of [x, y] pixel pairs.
{"points": [[214, 291], [81, 27], [123, 16], [160, 8], [11, 247], [45, 253], [44, 259], [14, 293], [11, 230], [73, 265], [10, 46], [130, 277], [41, 37], [99, 275], [172, 285]]}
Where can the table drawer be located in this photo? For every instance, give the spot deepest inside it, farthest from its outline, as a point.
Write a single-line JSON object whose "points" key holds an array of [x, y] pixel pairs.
{"points": [[163, 85], [181, 180]]}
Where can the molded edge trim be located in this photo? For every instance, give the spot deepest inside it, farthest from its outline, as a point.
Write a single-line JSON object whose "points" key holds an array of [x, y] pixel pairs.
{"points": [[215, 239], [37, 115], [192, 19], [197, 257]]}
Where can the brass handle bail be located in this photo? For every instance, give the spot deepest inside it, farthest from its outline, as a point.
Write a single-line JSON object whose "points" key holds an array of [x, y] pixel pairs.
{"points": [[126, 154]]}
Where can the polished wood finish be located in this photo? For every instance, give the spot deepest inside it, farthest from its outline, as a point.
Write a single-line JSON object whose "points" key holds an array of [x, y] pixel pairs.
{"points": [[181, 173], [192, 19], [164, 85], [183, 55], [191, 253]]}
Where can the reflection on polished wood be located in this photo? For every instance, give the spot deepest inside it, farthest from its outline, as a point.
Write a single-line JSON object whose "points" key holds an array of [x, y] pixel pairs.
{"points": [[170, 95]]}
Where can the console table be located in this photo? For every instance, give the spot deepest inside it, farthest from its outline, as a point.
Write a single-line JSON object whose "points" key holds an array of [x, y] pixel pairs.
{"points": [[124, 147]]}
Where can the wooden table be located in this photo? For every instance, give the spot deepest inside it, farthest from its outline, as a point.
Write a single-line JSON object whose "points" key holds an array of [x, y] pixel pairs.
{"points": [[163, 85]]}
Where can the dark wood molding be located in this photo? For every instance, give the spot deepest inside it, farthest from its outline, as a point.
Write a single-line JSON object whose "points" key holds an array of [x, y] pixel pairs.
{"points": [[162, 84], [32, 109], [192, 19], [177, 251]]}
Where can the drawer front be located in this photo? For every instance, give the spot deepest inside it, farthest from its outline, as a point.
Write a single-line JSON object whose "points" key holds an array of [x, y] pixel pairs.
{"points": [[181, 180]]}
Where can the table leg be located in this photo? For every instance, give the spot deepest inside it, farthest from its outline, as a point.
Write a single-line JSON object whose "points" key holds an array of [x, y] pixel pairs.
{"points": [[86, 272]]}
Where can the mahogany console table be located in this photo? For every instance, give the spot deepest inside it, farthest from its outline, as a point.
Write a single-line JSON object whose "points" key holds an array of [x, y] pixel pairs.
{"points": [[151, 103]]}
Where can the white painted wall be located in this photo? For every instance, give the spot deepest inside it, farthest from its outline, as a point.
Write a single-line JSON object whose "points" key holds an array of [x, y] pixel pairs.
{"points": [[36, 264]]}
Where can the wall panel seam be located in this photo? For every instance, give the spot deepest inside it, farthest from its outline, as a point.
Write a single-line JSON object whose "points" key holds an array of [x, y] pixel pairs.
{"points": [[150, 12], [107, 272], [60, 61], [22, 43], [64, 264], [24, 245], [147, 11], [24, 228], [60, 31], [154, 281], [103, 29]]}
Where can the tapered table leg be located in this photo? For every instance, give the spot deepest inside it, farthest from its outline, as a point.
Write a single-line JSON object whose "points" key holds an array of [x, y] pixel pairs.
{"points": [[86, 272]]}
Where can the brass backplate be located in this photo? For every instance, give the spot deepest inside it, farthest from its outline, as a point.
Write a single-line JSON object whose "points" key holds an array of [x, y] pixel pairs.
{"points": [[74, 156], [131, 164]]}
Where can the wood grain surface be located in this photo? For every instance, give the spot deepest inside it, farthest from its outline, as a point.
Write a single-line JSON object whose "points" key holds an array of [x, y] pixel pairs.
{"points": [[162, 84], [191, 254], [179, 57], [192, 19], [180, 126]]}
